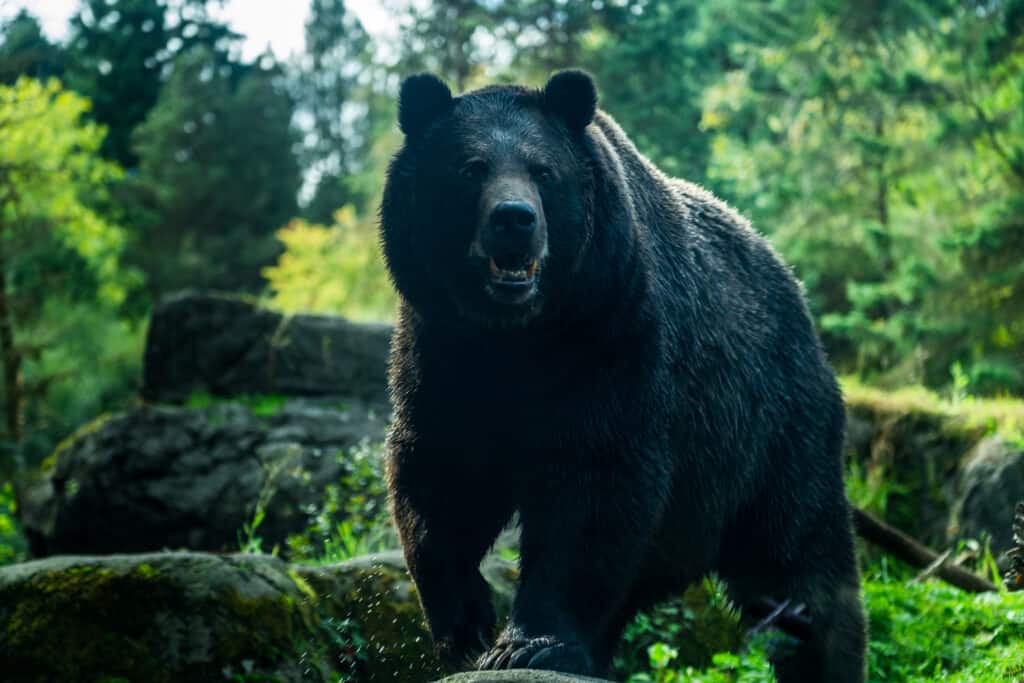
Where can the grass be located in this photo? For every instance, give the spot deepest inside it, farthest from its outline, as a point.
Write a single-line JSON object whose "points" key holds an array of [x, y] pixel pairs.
{"points": [[919, 633]]}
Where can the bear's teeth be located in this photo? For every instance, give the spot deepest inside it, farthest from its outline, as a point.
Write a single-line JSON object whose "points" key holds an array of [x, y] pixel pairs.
{"points": [[520, 274]]}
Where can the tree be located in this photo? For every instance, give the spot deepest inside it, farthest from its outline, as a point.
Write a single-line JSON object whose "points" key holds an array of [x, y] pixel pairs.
{"points": [[115, 56], [653, 60], [217, 174], [445, 37], [335, 269], [980, 52], [25, 51], [331, 90], [55, 248], [880, 146], [120, 50]]}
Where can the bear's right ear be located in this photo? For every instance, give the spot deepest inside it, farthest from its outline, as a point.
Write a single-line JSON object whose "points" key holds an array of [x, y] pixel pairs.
{"points": [[422, 99]]}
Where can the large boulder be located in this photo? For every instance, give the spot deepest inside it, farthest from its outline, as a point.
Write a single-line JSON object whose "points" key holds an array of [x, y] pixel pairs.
{"points": [[161, 477], [166, 617], [991, 483], [227, 346]]}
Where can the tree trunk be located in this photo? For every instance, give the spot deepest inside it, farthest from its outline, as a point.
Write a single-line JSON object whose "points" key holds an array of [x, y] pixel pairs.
{"points": [[11, 361]]}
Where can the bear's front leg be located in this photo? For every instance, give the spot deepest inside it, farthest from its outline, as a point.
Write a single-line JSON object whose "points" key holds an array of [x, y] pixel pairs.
{"points": [[446, 524], [585, 531]]}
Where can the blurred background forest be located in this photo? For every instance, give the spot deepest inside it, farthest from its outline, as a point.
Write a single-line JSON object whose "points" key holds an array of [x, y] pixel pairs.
{"points": [[879, 145]]}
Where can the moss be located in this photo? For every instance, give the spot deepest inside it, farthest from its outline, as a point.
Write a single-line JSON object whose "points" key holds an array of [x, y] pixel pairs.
{"points": [[188, 618], [91, 623], [146, 571], [74, 620], [969, 415], [94, 425]]}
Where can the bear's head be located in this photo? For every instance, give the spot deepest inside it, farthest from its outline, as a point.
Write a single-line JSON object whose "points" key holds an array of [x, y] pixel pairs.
{"points": [[488, 207]]}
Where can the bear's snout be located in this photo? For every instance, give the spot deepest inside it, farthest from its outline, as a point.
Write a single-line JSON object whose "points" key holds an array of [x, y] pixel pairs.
{"points": [[517, 219], [512, 228], [511, 238]]}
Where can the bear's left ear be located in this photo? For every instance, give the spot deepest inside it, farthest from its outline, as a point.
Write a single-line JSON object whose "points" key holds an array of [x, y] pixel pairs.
{"points": [[571, 95], [422, 99]]}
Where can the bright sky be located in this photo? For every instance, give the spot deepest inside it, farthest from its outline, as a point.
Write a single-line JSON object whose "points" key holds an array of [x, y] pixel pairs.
{"points": [[278, 23]]}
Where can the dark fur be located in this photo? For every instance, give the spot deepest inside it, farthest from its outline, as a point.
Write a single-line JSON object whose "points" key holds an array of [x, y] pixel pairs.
{"points": [[661, 409]]}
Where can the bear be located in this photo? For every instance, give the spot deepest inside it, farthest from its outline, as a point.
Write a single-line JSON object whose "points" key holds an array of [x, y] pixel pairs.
{"points": [[619, 361]]}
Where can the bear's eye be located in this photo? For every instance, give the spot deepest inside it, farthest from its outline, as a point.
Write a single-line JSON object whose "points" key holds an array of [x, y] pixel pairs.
{"points": [[543, 173], [474, 169]]}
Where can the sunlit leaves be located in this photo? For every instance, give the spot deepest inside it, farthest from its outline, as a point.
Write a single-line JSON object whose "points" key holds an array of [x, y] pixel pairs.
{"points": [[50, 177], [332, 269]]}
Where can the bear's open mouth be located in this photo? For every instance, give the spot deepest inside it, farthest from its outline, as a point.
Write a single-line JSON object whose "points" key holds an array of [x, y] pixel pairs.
{"points": [[513, 269]]}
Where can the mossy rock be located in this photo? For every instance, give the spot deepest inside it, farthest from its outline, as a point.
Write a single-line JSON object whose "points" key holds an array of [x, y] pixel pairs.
{"points": [[200, 617], [915, 452], [518, 676]]}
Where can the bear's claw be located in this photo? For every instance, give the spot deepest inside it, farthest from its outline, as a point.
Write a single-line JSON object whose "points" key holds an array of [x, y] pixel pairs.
{"points": [[537, 653]]}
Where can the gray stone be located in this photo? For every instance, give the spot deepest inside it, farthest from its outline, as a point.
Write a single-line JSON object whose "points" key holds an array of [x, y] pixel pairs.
{"points": [[227, 346], [990, 485], [161, 477], [518, 676]]}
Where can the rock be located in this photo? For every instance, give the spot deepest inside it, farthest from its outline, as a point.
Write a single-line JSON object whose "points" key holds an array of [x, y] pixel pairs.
{"points": [[991, 483], [518, 676], [160, 477], [198, 617], [166, 617], [914, 453], [226, 346]]}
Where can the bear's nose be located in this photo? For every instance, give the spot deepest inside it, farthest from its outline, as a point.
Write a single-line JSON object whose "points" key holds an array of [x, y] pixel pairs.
{"points": [[514, 217]]}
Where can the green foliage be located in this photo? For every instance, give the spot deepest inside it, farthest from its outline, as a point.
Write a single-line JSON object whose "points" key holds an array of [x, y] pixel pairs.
{"points": [[25, 51], [274, 469], [750, 666], [868, 489], [12, 544], [217, 174], [91, 365], [353, 519], [337, 269], [260, 405], [864, 145], [693, 627], [919, 632], [61, 282], [114, 57]]}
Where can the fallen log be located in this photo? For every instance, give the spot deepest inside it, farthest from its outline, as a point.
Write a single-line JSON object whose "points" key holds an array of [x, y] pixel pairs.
{"points": [[1014, 578], [903, 547]]}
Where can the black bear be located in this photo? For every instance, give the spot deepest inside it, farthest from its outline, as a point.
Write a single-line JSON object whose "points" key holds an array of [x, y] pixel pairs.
{"points": [[617, 357]]}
